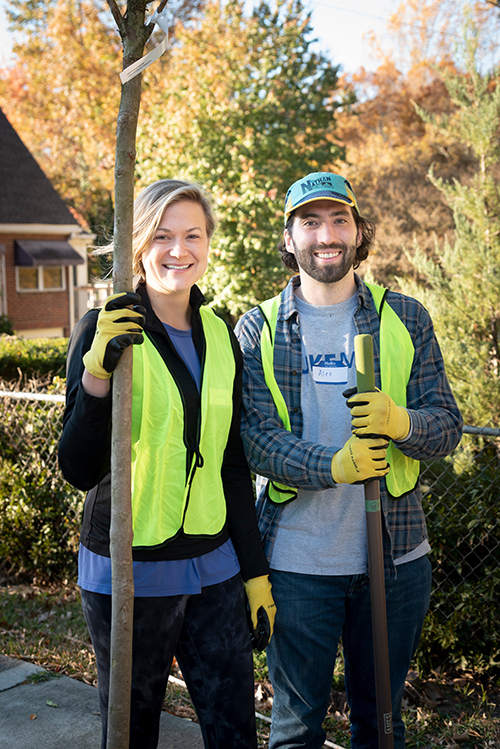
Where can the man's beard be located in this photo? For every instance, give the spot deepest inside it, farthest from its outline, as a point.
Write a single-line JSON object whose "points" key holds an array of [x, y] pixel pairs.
{"points": [[325, 272]]}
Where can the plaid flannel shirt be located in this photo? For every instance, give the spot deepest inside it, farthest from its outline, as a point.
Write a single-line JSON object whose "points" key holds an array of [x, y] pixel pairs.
{"points": [[274, 453]]}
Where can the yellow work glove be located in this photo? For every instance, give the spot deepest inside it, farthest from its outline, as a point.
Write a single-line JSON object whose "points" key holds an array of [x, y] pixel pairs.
{"points": [[360, 460], [376, 413], [118, 326], [262, 610]]}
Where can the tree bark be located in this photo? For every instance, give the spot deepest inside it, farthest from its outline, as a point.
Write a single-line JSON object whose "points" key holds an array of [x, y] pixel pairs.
{"points": [[134, 35]]}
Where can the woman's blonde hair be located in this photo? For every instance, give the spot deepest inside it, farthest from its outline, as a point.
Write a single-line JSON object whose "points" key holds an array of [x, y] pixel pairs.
{"points": [[149, 207]]}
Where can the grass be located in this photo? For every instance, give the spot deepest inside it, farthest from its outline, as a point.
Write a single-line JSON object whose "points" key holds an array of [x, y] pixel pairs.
{"points": [[45, 625]]}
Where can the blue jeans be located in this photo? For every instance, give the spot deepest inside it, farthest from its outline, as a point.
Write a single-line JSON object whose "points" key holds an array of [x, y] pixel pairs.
{"points": [[312, 612], [209, 635]]}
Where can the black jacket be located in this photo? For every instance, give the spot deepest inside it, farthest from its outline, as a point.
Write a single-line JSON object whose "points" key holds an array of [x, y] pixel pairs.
{"points": [[85, 449]]}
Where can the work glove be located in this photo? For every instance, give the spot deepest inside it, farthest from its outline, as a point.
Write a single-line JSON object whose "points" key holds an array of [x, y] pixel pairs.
{"points": [[262, 610], [376, 413], [360, 460], [117, 327]]}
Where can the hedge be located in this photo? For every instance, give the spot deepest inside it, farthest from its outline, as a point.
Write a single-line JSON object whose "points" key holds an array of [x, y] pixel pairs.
{"points": [[39, 511], [31, 357]]}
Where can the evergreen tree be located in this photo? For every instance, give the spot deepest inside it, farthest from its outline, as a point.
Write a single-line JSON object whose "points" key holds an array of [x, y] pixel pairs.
{"points": [[461, 286]]}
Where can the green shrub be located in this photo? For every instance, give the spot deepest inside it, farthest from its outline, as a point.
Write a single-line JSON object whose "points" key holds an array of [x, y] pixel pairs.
{"points": [[6, 325], [463, 517], [31, 357], [39, 511], [38, 523]]}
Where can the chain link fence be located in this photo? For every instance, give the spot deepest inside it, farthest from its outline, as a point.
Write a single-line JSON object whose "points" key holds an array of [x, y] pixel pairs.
{"points": [[461, 501], [32, 423], [465, 486], [461, 497]]}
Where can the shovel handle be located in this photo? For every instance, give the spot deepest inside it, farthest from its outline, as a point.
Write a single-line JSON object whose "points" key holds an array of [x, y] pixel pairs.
{"points": [[365, 370], [365, 381]]}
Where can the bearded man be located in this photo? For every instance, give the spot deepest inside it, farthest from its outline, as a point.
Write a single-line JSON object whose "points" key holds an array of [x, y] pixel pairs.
{"points": [[312, 455]]}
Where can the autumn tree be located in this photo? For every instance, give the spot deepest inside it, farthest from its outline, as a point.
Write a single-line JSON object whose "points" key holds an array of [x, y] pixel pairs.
{"points": [[389, 149], [389, 153], [246, 109], [61, 95], [61, 92], [461, 287]]}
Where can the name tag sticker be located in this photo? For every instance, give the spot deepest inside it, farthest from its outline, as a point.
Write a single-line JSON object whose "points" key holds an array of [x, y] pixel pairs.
{"points": [[330, 374]]}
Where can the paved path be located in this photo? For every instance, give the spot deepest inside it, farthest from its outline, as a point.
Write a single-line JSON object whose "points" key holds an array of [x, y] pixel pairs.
{"points": [[67, 713]]}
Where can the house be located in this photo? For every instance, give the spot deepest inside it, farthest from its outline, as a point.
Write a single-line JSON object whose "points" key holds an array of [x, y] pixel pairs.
{"points": [[43, 249]]}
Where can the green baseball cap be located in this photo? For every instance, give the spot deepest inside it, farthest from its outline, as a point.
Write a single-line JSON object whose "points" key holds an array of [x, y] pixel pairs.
{"points": [[319, 186]]}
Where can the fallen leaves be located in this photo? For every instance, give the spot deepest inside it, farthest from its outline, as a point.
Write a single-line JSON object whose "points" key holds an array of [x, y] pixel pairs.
{"points": [[264, 696]]}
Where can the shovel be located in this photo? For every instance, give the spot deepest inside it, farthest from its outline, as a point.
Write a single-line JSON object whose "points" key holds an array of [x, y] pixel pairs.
{"points": [[365, 381]]}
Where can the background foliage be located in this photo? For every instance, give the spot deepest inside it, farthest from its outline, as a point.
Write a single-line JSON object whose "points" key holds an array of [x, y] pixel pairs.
{"points": [[39, 511], [249, 109], [460, 282], [32, 357], [462, 506]]}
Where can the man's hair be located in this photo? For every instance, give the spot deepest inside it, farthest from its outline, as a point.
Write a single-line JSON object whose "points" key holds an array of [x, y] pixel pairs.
{"points": [[367, 239]]}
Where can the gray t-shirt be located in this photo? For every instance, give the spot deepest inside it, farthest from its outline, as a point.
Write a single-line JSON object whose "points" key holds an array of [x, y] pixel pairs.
{"points": [[324, 532]]}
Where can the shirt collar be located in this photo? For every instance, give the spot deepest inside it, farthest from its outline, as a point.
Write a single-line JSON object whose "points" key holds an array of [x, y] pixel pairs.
{"points": [[288, 298], [364, 295], [196, 300], [290, 304]]}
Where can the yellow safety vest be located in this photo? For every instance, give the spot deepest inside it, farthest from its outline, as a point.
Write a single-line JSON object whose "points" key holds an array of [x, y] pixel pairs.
{"points": [[170, 491], [395, 346]]}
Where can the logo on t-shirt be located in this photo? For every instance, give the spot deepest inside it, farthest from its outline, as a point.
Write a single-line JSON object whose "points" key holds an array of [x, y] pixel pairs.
{"points": [[329, 369]]}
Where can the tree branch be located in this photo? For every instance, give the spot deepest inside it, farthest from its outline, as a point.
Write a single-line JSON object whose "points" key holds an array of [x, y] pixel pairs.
{"points": [[119, 20], [150, 27], [162, 5]]}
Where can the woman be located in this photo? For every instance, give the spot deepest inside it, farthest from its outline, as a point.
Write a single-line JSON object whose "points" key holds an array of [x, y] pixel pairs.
{"points": [[192, 502]]}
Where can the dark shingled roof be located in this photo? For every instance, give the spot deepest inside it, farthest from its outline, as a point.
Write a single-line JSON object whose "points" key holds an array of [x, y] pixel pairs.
{"points": [[26, 194]]}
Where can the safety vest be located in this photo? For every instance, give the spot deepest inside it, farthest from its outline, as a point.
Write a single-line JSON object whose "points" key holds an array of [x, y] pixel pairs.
{"points": [[396, 346], [176, 486]]}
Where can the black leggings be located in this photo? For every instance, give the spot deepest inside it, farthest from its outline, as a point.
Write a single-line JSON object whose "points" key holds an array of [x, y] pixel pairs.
{"points": [[209, 635]]}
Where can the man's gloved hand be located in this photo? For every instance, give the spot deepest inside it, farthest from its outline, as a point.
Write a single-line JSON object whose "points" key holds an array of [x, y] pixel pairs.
{"points": [[360, 460], [262, 610], [376, 413], [117, 327]]}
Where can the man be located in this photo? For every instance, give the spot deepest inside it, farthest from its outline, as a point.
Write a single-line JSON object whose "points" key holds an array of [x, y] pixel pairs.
{"points": [[297, 434]]}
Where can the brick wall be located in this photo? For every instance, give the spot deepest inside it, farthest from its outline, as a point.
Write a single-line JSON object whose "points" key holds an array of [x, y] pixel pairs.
{"points": [[33, 309]]}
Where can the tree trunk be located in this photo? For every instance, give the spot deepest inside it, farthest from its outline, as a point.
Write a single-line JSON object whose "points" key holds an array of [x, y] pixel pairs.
{"points": [[134, 35]]}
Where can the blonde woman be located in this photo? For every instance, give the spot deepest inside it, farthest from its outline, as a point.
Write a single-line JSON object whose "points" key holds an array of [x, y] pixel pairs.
{"points": [[194, 524]]}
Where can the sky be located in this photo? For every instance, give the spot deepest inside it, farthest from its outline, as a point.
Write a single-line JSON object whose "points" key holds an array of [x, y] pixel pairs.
{"points": [[342, 26], [339, 25]]}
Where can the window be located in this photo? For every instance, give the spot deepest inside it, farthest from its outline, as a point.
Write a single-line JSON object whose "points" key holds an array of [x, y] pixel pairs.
{"points": [[27, 278], [53, 278], [41, 278]]}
